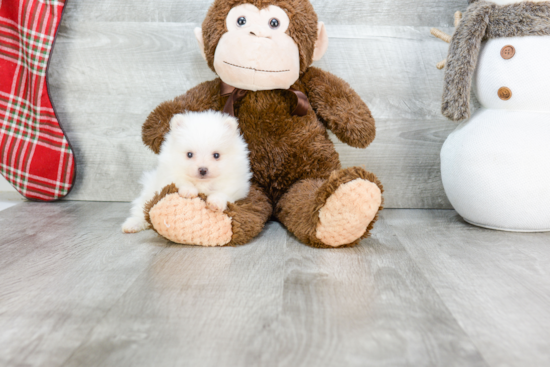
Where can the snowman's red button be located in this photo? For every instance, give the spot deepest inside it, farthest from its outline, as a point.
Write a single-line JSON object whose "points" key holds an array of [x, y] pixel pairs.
{"points": [[505, 93], [507, 52]]}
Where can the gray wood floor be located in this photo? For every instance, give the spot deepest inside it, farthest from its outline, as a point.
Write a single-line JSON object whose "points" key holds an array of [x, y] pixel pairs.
{"points": [[425, 290]]}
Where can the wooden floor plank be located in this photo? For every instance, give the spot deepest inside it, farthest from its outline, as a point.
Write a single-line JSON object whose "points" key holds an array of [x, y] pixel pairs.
{"points": [[364, 306], [9, 198], [62, 267], [194, 307], [496, 284], [74, 291]]}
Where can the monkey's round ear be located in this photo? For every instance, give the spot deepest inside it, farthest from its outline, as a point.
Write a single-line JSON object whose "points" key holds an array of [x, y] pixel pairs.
{"points": [[200, 40], [321, 45], [231, 122]]}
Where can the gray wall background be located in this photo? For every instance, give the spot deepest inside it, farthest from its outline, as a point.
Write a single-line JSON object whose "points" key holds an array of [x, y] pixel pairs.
{"points": [[115, 61]]}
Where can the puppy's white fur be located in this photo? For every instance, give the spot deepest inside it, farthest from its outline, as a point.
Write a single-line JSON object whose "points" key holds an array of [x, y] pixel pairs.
{"points": [[192, 146]]}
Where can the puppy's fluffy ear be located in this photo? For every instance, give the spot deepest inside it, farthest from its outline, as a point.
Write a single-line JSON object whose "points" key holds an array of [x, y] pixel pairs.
{"points": [[177, 121], [231, 123]]}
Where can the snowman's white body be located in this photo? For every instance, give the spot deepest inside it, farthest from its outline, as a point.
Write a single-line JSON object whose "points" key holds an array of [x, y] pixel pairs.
{"points": [[496, 166]]}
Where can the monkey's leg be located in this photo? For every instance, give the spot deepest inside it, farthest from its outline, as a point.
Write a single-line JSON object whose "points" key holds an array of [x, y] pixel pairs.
{"points": [[190, 222], [336, 212]]}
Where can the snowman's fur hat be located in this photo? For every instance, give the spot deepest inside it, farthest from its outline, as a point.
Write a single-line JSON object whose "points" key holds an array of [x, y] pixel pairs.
{"points": [[485, 20]]}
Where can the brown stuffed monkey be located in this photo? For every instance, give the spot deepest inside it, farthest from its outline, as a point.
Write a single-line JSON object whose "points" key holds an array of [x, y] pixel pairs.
{"points": [[262, 51]]}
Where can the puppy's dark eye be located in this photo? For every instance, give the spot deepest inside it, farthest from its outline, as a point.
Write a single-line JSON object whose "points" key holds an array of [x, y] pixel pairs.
{"points": [[217, 155], [241, 21], [190, 155], [274, 23]]}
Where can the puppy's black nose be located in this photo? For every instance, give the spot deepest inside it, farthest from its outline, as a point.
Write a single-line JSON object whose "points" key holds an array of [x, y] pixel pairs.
{"points": [[203, 171]]}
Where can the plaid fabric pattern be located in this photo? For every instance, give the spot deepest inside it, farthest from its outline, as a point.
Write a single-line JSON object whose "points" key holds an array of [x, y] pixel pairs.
{"points": [[35, 156]]}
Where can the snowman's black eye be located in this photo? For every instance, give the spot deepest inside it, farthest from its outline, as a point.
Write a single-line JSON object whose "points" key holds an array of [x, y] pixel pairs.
{"points": [[241, 21], [190, 155], [217, 155], [274, 23]]}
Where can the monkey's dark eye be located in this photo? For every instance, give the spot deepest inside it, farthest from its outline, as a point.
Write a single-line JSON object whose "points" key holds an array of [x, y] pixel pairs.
{"points": [[217, 155], [274, 23], [190, 155], [241, 21]]}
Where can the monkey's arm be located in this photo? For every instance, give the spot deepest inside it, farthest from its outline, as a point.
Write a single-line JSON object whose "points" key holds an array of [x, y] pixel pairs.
{"points": [[340, 108], [203, 97]]}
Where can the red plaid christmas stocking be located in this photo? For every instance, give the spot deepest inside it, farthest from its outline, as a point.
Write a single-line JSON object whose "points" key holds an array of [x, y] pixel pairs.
{"points": [[35, 156]]}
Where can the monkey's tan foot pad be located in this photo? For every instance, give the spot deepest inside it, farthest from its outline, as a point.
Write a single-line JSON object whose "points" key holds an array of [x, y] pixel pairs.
{"points": [[348, 212], [190, 222]]}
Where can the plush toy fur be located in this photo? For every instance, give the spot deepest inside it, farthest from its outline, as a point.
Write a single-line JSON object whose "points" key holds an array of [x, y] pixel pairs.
{"points": [[485, 20], [303, 28], [294, 163]]}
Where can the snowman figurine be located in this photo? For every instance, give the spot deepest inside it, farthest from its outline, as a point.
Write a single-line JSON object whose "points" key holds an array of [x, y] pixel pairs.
{"points": [[496, 165]]}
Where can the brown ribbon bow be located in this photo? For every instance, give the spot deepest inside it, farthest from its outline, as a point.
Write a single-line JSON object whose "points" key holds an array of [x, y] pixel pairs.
{"points": [[236, 94]]}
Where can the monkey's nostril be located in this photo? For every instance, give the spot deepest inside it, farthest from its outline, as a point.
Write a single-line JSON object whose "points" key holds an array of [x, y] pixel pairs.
{"points": [[252, 33], [203, 171]]}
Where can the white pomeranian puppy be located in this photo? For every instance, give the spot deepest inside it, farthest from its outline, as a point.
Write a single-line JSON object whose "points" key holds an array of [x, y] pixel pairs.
{"points": [[204, 152]]}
